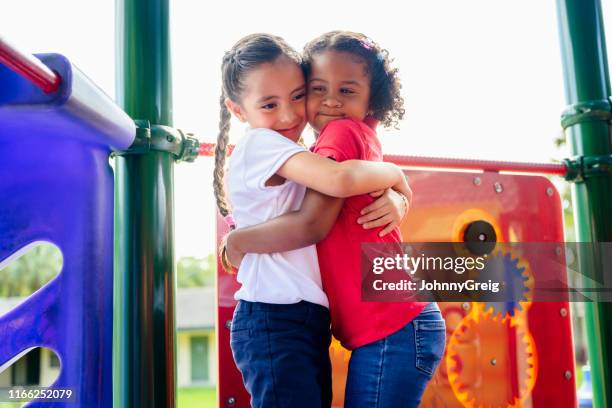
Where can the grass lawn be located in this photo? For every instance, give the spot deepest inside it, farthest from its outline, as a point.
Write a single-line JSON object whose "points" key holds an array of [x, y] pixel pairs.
{"points": [[200, 397]]}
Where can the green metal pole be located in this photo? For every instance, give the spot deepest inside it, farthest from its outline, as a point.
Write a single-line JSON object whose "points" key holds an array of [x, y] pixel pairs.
{"points": [[587, 90], [144, 368]]}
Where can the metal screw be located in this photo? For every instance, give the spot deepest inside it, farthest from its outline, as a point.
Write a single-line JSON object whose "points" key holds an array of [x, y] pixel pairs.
{"points": [[465, 306], [563, 312], [550, 191], [558, 251], [477, 181], [228, 324], [493, 361], [498, 187], [568, 375], [231, 401], [170, 138]]}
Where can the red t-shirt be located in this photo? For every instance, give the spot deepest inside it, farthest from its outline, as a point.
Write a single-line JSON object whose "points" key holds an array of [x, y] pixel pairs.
{"points": [[355, 322]]}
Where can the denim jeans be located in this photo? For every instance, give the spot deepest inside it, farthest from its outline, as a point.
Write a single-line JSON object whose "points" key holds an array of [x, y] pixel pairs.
{"points": [[393, 372], [282, 352]]}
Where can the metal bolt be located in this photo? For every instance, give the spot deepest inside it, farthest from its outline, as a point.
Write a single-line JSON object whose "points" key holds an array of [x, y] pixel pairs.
{"points": [[231, 401], [563, 312], [228, 324], [550, 191], [465, 306], [477, 181], [498, 187], [493, 361], [568, 375], [170, 138]]}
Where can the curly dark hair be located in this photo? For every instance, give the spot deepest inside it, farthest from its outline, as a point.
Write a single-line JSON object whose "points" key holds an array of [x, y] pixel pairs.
{"points": [[386, 103]]}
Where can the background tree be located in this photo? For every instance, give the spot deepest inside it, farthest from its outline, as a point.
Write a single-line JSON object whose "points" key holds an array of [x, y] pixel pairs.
{"points": [[194, 272], [30, 271]]}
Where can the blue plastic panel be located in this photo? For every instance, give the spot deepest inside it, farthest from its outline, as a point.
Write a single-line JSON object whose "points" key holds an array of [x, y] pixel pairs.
{"points": [[56, 185]]}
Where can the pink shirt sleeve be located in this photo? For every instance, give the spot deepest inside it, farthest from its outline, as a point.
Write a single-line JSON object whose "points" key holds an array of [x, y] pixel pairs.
{"points": [[341, 140]]}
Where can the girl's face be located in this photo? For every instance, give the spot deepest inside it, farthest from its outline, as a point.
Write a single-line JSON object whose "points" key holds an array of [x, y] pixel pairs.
{"points": [[274, 98], [338, 87]]}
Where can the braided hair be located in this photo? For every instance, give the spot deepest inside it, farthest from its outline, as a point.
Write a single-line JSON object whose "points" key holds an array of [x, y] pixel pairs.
{"points": [[247, 54]]}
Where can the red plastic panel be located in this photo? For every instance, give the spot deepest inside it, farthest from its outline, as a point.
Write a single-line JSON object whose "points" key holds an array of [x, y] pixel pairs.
{"points": [[492, 358]]}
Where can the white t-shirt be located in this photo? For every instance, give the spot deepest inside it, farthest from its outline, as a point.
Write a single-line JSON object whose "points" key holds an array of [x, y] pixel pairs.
{"points": [[283, 277]]}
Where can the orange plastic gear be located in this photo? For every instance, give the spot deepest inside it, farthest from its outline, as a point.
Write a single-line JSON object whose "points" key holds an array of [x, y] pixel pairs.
{"points": [[339, 357], [491, 363]]}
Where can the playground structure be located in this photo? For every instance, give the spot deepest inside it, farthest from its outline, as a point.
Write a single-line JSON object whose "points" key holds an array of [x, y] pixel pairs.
{"points": [[112, 324]]}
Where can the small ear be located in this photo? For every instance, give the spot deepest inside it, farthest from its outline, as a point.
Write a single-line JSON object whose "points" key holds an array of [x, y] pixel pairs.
{"points": [[235, 109]]}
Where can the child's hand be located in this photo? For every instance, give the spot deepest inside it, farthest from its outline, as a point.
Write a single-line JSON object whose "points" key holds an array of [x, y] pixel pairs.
{"points": [[230, 256], [388, 210]]}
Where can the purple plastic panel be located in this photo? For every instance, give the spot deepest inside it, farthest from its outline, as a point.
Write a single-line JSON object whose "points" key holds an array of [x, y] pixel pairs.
{"points": [[56, 185], [79, 109]]}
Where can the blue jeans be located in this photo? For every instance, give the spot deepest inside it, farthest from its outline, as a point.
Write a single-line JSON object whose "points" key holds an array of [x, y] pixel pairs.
{"points": [[393, 372], [282, 352]]}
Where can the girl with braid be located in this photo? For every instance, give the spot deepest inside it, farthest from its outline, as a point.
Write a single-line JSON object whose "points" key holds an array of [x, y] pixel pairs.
{"points": [[280, 331], [396, 346]]}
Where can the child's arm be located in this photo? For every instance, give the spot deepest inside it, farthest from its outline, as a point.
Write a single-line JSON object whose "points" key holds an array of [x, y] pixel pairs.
{"points": [[344, 179], [311, 224], [293, 230]]}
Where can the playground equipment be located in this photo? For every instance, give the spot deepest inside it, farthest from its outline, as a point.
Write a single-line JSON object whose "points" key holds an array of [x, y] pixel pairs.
{"points": [[56, 186], [57, 131]]}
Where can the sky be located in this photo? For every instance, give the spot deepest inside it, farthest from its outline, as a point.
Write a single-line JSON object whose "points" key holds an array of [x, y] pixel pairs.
{"points": [[480, 78]]}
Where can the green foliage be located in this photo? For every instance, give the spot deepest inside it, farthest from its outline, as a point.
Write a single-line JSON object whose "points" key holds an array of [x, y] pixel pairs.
{"points": [[42, 263], [31, 271], [566, 196], [568, 213], [194, 272], [560, 140]]}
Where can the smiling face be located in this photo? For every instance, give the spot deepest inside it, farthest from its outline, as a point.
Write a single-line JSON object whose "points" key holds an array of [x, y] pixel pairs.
{"points": [[338, 87], [274, 98]]}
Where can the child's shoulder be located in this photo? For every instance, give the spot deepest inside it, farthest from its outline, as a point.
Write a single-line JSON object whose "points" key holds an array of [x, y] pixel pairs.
{"points": [[263, 132], [345, 125], [259, 144], [348, 129], [261, 137]]}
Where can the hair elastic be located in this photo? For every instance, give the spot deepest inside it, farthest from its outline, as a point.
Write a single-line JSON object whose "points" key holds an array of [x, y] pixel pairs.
{"points": [[367, 43], [229, 220]]}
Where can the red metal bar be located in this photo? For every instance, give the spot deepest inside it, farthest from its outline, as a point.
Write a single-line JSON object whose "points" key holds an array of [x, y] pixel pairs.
{"points": [[208, 149], [484, 165], [29, 67]]}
